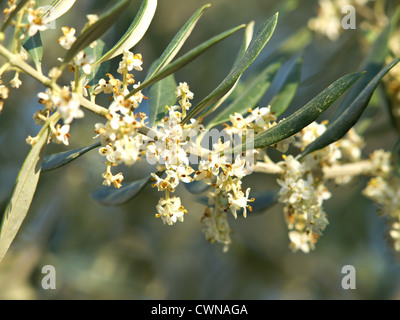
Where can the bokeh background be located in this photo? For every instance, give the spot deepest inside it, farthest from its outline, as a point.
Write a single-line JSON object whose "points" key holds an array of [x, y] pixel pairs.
{"points": [[124, 252]]}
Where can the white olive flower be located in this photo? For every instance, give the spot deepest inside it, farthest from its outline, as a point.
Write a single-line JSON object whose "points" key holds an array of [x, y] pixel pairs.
{"points": [[291, 166], [162, 184], [283, 145], [238, 122], [35, 22], [3, 92], [110, 179], [68, 38], [92, 18], [130, 62], [351, 145], [3, 95], [299, 241], [103, 86], [394, 233], [183, 91], [239, 201], [68, 105], [15, 82], [381, 162], [61, 134], [84, 61], [261, 118], [181, 173], [170, 210]]}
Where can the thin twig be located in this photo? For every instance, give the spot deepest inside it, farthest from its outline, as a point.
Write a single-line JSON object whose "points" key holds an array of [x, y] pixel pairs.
{"points": [[16, 61], [349, 169]]}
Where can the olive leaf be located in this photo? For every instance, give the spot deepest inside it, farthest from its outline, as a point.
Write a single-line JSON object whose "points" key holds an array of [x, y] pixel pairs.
{"points": [[373, 63], [251, 95], [196, 187], [58, 160], [57, 9], [177, 42], [113, 197], [95, 30], [33, 45], [281, 101], [184, 60], [248, 35], [339, 127], [263, 35], [161, 94], [264, 200], [135, 32], [305, 115], [22, 195]]}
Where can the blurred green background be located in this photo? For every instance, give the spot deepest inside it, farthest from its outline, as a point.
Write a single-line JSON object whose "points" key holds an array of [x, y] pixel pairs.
{"points": [[124, 252]]}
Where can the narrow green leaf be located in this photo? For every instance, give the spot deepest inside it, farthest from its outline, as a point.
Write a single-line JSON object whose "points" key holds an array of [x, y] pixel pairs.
{"points": [[184, 60], [252, 94], [58, 160], [339, 127], [109, 196], [135, 32], [263, 200], [177, 42], [33, 45], [57, 9], [373, 63], [196, 187], [257, 44], [94, 31], [307, 114], [281, 101], [248, 35], [290, 46], [22, 195], [161, 94]]}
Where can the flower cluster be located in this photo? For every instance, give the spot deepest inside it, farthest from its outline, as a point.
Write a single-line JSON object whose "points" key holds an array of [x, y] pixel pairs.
{"points": [[121, 141], [67, 104], [328, 22], [225, 175], [302, 185], [170, 153], [258, 120], [384, 189], [226, 179], [303, 195]]}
